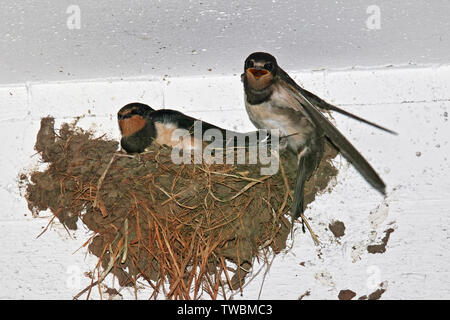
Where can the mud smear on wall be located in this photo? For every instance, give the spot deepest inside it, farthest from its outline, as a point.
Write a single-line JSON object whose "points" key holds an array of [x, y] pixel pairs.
{"points": [[337, 228], [380, 248], [375, 295], [346, 294]]}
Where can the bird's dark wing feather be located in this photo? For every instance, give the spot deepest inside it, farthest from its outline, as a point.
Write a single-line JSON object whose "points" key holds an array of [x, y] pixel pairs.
{"points": [[186, 122], [318, 102], [338, 140]]}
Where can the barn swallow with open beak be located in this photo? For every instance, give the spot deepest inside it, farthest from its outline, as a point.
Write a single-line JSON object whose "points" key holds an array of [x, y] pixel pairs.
{"points": [[140, 126], [273, 100]]}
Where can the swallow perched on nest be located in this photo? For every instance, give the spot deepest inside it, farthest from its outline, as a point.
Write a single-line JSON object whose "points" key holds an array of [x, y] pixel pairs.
{"points": [[137, 132], [273, 100], [140, 126]]}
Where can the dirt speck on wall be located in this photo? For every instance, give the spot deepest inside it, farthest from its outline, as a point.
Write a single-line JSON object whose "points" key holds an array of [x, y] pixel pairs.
{"points": [[196, 227], [337, 228], [346, 294], [380, 248], [376, 295]]}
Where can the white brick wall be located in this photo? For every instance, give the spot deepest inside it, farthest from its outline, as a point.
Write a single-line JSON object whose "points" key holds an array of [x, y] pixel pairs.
{"points": [[412, 102]]}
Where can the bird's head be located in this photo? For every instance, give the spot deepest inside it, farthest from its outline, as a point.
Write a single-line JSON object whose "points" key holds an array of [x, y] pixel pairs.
{"points": [[133, 117], [260, 68]]}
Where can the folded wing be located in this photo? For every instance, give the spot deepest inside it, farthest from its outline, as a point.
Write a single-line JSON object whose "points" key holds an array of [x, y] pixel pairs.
{"points": [[338, 140]]}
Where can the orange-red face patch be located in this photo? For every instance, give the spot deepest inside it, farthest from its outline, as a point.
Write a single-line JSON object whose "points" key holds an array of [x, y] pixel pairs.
{"points": [[131, 125]]}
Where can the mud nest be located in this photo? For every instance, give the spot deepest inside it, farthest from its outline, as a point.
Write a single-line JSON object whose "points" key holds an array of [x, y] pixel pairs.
{"points": [[187, 230]]}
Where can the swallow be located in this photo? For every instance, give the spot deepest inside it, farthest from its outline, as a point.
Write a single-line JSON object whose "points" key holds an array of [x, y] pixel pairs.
{"points": [[137, 132], [140, 126], [273, 100]]}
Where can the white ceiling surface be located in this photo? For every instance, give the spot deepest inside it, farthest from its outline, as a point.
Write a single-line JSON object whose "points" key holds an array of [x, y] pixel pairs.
{"points": [[146, 38]]}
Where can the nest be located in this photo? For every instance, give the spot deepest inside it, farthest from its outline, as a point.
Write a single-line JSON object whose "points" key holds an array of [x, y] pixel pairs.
{"points": [[188, 230]]}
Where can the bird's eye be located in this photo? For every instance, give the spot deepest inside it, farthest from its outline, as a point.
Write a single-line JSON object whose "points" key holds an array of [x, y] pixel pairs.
{"points": [[268, 66], [249, 64]]}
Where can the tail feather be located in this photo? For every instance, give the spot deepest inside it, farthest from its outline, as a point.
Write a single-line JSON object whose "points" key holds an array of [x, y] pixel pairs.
{"points": [[340, 142], [320, 103]]}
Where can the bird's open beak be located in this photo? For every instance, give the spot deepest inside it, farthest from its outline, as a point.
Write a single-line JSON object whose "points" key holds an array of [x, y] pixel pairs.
{"points": [[258, 73]]}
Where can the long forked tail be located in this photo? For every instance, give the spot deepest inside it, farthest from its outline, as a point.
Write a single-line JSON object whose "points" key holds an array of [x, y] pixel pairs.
{"points": [[322, 104], [340, 142], [351, 115]]}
